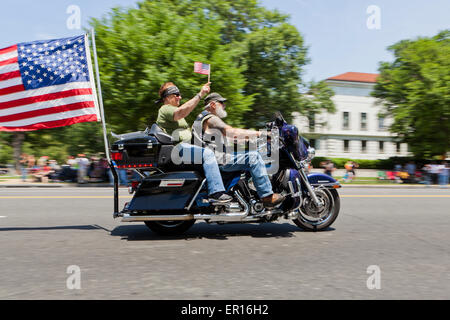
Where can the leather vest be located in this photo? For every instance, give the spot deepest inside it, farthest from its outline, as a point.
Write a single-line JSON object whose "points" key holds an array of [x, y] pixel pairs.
{"points": [[212, 141]]}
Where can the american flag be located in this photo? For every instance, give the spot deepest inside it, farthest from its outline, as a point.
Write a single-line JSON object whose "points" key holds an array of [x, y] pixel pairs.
{"points": [[202, 68], [47, 84]]}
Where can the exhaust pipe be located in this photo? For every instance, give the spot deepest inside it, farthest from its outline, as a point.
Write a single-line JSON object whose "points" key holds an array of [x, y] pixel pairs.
{"points": [[129, 218], [228, 216]]}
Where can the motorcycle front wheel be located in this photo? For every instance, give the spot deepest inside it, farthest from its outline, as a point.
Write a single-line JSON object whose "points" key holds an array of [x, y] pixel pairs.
{"points": [[169, 228], [313, 218]]}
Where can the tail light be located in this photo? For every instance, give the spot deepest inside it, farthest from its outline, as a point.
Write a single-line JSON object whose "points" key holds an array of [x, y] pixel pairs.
{"points": [[133, 186], [116, 155]]}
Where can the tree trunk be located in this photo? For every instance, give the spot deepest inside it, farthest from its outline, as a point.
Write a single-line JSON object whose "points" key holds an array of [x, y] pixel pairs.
{"points": [[17, 141]]}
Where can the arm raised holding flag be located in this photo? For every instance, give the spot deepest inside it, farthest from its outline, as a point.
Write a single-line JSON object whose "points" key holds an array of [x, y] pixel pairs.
{"points": [[185, 109]]}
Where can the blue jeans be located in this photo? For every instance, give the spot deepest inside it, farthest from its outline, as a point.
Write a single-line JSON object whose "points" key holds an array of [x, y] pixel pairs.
{"points": [[253, 162], [443, 179], [123, 177], [194, 154]]}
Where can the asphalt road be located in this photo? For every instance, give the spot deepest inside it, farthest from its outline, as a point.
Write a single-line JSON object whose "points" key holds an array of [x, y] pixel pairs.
{"points": [[62, 243]]}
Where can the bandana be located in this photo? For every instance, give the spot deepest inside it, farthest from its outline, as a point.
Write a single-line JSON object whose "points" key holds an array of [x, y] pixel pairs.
{"points": [[167, 92]]}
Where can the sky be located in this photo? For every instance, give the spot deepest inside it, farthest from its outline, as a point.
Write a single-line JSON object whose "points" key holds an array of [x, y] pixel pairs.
{"points": [[342, 36]]}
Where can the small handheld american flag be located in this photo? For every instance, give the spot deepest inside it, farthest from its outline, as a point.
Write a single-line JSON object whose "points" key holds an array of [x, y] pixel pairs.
{"points": [[202, 68]]}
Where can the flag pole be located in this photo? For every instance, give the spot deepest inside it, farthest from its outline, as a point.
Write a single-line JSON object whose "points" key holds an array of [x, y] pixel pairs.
{"points": [[102, 116], [100, 98], [209, 73]]}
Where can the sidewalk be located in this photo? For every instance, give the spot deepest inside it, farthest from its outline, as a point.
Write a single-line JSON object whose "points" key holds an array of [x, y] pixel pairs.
{"points": [[18, 183]]}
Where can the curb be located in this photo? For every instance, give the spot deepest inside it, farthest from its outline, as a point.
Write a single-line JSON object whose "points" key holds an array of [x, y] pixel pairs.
{"points": [[436, 186], [54, 185]]}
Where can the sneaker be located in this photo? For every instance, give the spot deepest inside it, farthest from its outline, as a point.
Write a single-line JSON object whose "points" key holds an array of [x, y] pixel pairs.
{"points": [[219, 197], [273, 200]]}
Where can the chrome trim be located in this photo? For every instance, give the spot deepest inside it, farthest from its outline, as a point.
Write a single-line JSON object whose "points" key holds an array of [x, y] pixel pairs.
{"points": [[228, 216], [166, 183], [309, 187], [129, 218], [195, 195], [326, 185]]}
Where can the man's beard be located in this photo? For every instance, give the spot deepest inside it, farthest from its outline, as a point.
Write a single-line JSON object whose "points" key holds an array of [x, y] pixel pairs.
{"points": [[221, 113]]}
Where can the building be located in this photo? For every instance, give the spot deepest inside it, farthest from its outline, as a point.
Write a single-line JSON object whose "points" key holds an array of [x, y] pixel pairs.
{"points": [[356, 130]]}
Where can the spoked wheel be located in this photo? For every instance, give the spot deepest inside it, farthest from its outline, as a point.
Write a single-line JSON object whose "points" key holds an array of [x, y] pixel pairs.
{"points": [[316, 218], [169, 228]]}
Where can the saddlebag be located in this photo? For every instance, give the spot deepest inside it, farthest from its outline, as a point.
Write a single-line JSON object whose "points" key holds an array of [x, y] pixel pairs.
{"points": [[150, 148], [169, 192]]}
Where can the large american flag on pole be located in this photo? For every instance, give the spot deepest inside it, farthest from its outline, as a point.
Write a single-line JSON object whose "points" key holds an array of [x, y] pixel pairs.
{"points": [[47, 84]]}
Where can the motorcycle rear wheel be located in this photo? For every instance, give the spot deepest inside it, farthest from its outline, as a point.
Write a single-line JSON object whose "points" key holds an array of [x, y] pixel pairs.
{"points": [[311, 221], [169, 228]]}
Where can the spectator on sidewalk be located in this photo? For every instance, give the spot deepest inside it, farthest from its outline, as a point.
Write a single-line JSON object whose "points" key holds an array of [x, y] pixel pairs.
{"points": [[411, 169], [443, 174], [83, 164], [23, 166], [427, 174], [434, 172], [329, 168]]}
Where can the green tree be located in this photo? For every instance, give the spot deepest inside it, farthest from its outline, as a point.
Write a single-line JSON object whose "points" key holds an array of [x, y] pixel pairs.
{"points": [[256, 57], [273, 54], [139, 49], [415, 92]]}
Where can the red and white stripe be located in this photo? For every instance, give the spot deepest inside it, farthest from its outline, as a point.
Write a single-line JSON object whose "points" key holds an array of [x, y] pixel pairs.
{"points": [[44, 108]]}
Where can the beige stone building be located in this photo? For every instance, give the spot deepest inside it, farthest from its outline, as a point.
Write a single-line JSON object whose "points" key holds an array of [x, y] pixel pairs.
{"points": [[356, 130]]}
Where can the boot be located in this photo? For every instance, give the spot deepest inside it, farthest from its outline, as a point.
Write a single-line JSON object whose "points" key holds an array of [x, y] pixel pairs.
{"points": [[272, 200], [219, 197]]}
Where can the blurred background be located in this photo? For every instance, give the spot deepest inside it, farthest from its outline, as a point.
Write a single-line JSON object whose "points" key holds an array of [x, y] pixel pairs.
{"points": [[364, 81]]}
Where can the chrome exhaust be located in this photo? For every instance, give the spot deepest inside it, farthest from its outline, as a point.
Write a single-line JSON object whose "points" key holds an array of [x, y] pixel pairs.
{"points": [[134, 218], [227, 216]]}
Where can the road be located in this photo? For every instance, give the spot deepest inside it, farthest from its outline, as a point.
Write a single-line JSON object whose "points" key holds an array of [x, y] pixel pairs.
{"points": [[62, 243]]}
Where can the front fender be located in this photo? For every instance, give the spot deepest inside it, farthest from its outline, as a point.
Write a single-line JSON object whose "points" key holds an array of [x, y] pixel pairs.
{"points": [[317, 179]]}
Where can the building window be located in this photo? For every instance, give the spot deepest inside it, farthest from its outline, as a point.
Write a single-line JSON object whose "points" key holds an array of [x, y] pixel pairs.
{"points": [[346, 145], [363, 121], [346, 120], [314, 143], [381, 125], [312, 122], [381, 146], [398, 147], [363, 146]]}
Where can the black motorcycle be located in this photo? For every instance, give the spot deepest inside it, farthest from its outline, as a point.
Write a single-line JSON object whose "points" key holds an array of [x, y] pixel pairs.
{"points": [[169, 198]]}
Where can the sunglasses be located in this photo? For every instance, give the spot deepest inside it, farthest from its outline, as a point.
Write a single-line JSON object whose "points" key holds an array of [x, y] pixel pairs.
{"points": [[177, 94]]}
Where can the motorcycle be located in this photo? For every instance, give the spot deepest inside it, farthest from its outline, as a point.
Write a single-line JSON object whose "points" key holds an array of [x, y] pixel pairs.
{"points": [[169, 198]]}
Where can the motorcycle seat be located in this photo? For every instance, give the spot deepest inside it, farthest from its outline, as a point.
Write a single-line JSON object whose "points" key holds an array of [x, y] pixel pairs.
{"points": [[160, 135]]}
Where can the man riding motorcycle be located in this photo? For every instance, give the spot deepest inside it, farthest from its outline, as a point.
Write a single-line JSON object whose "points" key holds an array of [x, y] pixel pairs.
{"points": [[209, 124]]}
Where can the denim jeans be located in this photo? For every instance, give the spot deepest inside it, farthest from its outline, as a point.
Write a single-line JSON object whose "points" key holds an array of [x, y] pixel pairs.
{"points": [[443, 179], [190, 153], [253, 162]]}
